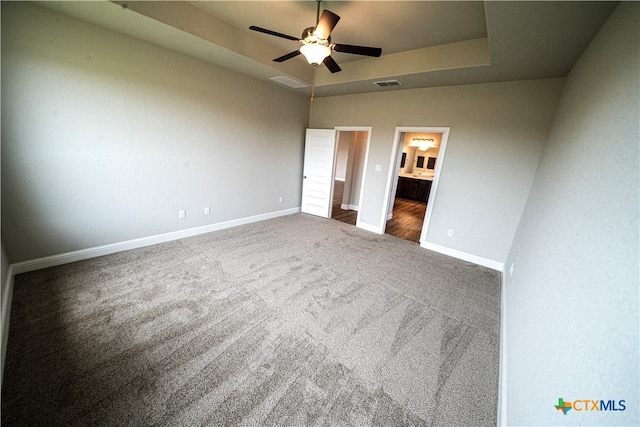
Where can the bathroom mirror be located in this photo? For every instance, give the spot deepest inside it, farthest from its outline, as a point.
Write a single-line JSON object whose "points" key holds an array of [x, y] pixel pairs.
{"points": [[431, 163]]}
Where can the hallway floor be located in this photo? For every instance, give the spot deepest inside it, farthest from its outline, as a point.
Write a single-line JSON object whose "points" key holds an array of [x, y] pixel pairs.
{"points": [[408, 215], [337, 213]]}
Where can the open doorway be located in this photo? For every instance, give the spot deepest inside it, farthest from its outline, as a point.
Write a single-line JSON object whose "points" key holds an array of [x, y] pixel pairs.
{"points": [[418, 159], [352, 144]]}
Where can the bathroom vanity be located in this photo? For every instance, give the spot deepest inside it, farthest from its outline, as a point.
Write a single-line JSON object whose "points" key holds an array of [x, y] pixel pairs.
{"points": [[414, 187]]}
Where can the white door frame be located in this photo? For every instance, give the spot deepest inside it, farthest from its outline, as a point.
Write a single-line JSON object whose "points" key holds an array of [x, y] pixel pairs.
{"points": [[366, 161], [394, 170]]}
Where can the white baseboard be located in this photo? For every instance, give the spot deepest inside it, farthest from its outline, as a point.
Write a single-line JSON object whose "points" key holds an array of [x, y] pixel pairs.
{"points": [[82, 254], [346, 207], [494, 265], [369, 227], [7, 295]]}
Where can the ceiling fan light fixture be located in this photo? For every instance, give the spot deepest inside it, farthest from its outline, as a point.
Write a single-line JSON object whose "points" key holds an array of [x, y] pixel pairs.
{"points": [[315, 53]]}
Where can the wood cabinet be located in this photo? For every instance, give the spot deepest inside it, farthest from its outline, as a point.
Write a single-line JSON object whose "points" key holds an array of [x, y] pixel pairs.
{"points": [[414, 189], [407, 188]]}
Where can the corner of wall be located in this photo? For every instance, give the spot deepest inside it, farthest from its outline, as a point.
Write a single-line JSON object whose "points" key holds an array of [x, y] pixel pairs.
{"points": [[7, 293], [502, 372]]}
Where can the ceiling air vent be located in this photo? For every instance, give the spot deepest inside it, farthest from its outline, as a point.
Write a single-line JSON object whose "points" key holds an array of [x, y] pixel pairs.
{"points": [[287, 81], [387, 83]]}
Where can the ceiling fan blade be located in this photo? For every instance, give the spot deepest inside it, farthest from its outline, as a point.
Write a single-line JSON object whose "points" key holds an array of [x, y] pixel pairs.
{"points": [[287, 56], [327, 22], [331, 64], [358, 50], [273, 33]]}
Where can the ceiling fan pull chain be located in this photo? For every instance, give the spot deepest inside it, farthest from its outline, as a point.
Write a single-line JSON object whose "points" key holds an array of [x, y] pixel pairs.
{"points": [[313, 87]]}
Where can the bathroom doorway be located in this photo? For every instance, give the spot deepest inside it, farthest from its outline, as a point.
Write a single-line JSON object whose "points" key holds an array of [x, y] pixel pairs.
{"points": [[419, 155]]}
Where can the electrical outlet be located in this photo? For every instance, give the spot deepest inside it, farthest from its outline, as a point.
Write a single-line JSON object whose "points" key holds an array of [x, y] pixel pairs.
{"points": [[182, 214], [207, 211], [450, 233], [280, 199]]}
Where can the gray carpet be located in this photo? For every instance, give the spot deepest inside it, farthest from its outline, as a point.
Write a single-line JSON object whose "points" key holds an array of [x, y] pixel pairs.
{"points": [[292, 321]]}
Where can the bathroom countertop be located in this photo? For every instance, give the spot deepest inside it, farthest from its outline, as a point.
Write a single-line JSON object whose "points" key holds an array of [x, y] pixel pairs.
{"points": [[415, 176]]}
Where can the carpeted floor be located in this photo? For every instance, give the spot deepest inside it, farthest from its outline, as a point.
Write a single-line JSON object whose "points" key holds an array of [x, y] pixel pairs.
{"points": [[292, 321]]}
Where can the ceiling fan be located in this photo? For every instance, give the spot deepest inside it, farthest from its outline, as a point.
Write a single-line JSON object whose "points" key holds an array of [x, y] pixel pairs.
{"points": [[316, 42]]}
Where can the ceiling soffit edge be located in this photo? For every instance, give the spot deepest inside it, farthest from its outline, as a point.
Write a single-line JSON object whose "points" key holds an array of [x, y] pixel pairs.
{"points": [[465, 54], [191, 19]]}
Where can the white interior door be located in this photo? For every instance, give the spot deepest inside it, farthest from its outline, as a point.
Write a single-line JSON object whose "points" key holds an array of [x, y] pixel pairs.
{"points": [[317, 181]]}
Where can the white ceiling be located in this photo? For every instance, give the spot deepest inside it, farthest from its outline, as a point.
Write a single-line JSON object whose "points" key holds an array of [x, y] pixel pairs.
{"points": [[424, 43]]}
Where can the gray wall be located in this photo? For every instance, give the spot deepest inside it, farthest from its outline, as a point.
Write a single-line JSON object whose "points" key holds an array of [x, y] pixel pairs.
{"points": [[357, 146], [498, 131], [572, 302], [342, 155], [105, 138], [5, 268]]}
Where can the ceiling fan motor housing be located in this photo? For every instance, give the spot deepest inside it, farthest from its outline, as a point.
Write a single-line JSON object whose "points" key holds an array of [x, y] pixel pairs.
{"points": [[309, 36]]}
